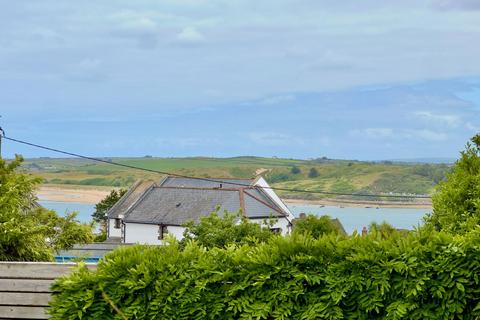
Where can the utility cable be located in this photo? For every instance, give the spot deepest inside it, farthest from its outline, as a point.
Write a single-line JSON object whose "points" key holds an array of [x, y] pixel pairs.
{"points": [[213, 180]]}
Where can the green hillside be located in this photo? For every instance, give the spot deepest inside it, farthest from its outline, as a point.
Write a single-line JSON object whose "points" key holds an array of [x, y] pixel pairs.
{"points": [[320, 174]]}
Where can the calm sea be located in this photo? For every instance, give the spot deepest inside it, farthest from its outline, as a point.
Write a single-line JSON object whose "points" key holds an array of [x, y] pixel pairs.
{"points": [[351, 218]]}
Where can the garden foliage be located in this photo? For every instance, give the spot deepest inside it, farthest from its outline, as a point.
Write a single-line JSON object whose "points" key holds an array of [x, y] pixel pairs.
{"points": [[101, 208], [456, 205], [421, 275], [29, 232], [316, 226], [430, 273], [222, 231]]}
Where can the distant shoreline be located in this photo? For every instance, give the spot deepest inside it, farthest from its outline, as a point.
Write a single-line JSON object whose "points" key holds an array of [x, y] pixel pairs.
{"points": [[73, 194], [360, 204], [94, 194]]}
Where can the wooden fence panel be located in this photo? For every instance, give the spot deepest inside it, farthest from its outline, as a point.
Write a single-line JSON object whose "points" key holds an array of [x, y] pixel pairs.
{"points": [[11, 312], [25, 287]]}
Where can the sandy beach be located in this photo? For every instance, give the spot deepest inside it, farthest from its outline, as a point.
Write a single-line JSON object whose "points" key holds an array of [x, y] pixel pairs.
{"points": [[77, 194]]}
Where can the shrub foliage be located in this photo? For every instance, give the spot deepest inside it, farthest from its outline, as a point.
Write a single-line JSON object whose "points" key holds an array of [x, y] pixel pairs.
{"points": [[106, 204], [430, 273], [456, 205], [421, 275], [316, 226], [29, 232], [222, 231]]}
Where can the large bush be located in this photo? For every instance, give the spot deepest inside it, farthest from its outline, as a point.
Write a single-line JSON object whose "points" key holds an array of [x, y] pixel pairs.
{"points": [[415, 276], [29, 232], [222, 231], [101, 208], [317, 226], [456, 204]]}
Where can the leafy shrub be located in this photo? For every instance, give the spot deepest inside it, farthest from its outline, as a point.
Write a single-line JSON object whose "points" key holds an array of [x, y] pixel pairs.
{"points": [[275, 177], [61, 233], [316, 226], [295, 170], [436, 173], [29, 232], [421, 275], [106, 204], [228, 229], [313, 173], [456, 204]]}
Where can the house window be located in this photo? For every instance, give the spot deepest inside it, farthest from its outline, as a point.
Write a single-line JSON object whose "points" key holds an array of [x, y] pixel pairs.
{"points": [[162, 232], [117, 223], [276, 230]]}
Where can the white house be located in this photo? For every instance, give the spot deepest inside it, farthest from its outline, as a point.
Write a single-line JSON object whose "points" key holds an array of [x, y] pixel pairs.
{"points": [[149, 211]]}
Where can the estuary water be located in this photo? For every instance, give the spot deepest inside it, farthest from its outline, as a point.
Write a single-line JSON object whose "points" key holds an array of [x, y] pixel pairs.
{"points": [[356, 218], [84, 210], [351, 218]]}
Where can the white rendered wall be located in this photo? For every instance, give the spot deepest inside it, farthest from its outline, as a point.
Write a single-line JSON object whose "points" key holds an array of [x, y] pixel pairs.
{"points": [[141, 233], [282, 223], [148, 233], [271, 193], [175, 231], [112, 232]]}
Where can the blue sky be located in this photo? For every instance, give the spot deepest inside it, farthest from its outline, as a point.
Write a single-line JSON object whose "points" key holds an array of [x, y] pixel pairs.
{"points": [[344, 79]]}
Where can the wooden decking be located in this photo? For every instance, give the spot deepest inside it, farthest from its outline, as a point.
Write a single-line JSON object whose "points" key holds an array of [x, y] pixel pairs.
{"points": [[25, 287]]}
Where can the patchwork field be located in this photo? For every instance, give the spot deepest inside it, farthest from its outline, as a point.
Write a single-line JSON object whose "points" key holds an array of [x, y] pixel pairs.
{"points": [[315, 175]]}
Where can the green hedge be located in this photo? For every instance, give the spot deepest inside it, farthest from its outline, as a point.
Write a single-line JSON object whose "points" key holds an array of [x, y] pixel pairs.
{"points": [[422, 275]]}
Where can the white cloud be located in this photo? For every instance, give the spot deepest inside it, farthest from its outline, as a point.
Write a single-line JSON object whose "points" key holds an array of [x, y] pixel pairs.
{"points": [[472, 127], [467, 5], [379, 132], [446, 120], [277, 99], [424, 134], [190, 35], [86, 70], [185, 142], [136, 26], [399, 134], [133, 23], [274, 139]]}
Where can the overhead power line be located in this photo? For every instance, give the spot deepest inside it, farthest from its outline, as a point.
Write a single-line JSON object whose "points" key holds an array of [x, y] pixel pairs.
{"points": [[210, 179]]}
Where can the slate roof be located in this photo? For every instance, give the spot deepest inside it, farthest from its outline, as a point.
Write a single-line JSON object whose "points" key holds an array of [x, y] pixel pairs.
{"points": [[175, 206], [197, 183], [129, 199], [176, 200]]}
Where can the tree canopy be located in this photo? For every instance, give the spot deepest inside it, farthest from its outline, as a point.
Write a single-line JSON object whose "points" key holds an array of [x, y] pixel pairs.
{"points": [[456, 204], [220, 231], [103, 206], [29, 232], [295, 170], [316, 226], [313, 173]]}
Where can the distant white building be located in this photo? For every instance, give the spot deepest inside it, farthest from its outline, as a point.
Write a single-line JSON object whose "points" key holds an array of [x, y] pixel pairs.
{"points": [[149, 211]]}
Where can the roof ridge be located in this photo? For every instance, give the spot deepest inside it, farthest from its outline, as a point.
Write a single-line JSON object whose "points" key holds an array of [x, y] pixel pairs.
{"points": [[199, 178], [202, 188], [279, 210], [126, 195]]}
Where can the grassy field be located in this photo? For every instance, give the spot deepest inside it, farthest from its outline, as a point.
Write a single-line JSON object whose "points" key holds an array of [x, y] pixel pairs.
{"points": [[332, 175]]}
